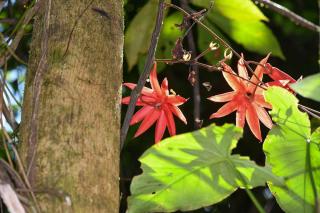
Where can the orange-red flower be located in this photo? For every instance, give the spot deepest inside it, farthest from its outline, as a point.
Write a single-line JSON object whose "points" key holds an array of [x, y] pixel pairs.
{"points": [[246, 98], [157, 105], [279, 77]]}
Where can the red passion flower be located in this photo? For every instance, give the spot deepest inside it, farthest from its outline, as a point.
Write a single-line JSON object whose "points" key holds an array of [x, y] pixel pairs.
{"points": [[157, 105], [246, 98]]}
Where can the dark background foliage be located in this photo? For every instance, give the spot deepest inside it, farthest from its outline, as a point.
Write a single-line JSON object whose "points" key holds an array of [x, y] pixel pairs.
{"points": [[300, 47]]}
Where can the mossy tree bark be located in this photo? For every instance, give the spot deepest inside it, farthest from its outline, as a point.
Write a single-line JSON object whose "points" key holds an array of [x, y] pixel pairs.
{"points": [[78, 118]]}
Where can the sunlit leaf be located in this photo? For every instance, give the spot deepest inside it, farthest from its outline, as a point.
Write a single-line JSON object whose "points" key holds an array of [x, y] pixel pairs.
{"points": [[138, 34], [308, 87], [234, 9], [293, 153], [253, 35], [242, 20], [193, 170]]}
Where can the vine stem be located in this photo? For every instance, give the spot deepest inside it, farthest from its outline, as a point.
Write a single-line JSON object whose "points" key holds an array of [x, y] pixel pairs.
{"points": [[291, 15], [145, 74], [214, 35], [195, 69]]}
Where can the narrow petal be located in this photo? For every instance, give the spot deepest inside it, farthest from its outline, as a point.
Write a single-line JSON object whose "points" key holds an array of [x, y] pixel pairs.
{"points": [[170, 121], [145, 90], [148, 121], [154, 80], [150, 100], [177, 112], [231, 77], [165, 87], [263, 116], [225, 110], [126, 100], [277, 74], [242, 70], [141, 114], [241, 116], [160, 127], [224, 97], [253, 121], [256, 78], [259, 99], [176, 100]]}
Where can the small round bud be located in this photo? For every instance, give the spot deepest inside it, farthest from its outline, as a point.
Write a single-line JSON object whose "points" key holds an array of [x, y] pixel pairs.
{"points": [[213, 46], [228, 54], [186, 56]]}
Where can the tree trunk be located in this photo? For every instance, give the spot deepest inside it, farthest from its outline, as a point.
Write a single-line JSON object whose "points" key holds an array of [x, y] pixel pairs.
{"points": [[70, 130]]}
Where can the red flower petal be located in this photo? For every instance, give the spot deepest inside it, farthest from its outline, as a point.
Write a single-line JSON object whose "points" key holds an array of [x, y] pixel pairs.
{"points": [[259, 99], [145, 90], [224, 97], [170, 121], [154, 80], [148, 121], [142, 113], [177, 112], [160, 127], [242, 70], [277, 74], [253, 121], [231, 78], [241, 116], [263, 116], [225, 110], [126, 100], [258, 74], [176, 100], [165, 87]]}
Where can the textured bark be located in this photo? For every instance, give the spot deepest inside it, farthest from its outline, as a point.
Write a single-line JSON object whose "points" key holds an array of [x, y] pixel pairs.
{"points": [[77, 148]]}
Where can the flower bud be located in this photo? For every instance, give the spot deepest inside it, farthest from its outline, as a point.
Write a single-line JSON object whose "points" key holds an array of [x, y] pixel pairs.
{"points": [[213, 46], [186, 56]]}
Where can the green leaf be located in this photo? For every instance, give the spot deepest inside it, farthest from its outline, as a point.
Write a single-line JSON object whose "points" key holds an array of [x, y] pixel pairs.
{"points": [[293, 153], [234, 9], [253, 35], [138, 34], [308, 87], [242, 20], [193, 170]]}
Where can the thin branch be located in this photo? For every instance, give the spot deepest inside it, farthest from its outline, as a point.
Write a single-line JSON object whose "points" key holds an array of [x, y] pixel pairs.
{"points": [[24, 21], [74, 27], [209, 68], [295, 18], [37, 84], [195, 69], [214, 35], [146, 72]]}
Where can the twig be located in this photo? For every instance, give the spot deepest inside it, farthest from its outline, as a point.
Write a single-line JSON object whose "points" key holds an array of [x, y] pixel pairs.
{"points": [[291, 15], [146, 71], [209, 68], [214, 35], [15, 42], [74, 27], [196, 87]]}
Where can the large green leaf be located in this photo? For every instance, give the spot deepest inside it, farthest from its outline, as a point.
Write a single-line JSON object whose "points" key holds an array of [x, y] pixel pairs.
{"points": [[308, 87], [241, 20], [234, 9], [293, 153], [192, 170], [138, 34]]}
